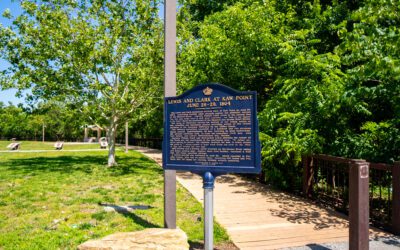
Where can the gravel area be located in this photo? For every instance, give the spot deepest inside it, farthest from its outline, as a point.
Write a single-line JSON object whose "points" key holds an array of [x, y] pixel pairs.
{"points": [[381, 243]]}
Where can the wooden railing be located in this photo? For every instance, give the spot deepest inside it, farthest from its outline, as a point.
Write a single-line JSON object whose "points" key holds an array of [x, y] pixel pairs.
{"points": [[326, 179]]}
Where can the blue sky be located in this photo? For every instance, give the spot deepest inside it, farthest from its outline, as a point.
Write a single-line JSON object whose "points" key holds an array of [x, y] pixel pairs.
{"points": [[9, 95]]}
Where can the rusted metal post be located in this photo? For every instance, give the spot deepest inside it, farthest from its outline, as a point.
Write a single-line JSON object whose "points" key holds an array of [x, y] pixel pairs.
{"points": [[396, 198], [170, 90], [359, 205], [308, 173]]}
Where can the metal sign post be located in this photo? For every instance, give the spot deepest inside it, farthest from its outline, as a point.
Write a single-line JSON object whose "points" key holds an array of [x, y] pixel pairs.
{"points": [[208, 186]]}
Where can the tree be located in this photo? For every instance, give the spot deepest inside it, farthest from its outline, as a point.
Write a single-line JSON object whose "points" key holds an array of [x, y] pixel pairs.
{"points": [[236, 47], [370, 52], [104, 55], [199, 9], [326, 73], [13, 121], [62, 121]]}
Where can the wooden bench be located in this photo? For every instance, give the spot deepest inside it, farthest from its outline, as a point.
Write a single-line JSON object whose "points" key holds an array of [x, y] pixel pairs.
{"points": [[14, 146], [59, 145]]}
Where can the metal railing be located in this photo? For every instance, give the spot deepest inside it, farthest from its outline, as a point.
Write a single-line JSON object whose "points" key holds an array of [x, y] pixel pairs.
{"points": [[380, 194], [326, 179], [155, 143]]}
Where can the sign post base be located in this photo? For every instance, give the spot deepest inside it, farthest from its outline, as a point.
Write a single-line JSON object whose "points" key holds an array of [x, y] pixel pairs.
{"points": [[208, 186]]}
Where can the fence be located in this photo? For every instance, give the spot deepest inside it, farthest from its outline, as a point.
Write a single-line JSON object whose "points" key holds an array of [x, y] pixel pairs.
{"points": [[155, 143], [326, 179]]}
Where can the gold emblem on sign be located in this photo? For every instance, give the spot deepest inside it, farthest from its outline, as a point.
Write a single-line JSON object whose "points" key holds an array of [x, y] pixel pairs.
{"points": [[207, 91]]}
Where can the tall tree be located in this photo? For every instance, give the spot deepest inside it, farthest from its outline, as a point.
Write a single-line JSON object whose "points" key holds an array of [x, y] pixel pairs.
{"points": [[106, 55], [327, 73]]}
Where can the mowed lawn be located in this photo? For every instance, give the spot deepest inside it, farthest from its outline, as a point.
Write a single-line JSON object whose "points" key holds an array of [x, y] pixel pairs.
{"points": [[55, 200]]}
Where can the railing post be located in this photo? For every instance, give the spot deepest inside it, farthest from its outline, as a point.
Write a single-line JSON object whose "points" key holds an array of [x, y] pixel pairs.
{"points": [[396, 198], [308, 172], [359, 205]]}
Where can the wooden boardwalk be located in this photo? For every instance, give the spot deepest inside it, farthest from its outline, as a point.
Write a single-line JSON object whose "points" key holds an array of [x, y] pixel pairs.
{"points": [[259, 217]]}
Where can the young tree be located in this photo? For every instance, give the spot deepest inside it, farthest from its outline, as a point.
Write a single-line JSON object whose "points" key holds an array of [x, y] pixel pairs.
{"points": [[101, 54]]}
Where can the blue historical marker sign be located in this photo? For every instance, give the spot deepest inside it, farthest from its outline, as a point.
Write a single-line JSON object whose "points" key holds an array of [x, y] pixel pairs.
{"points": [[212, 128]]}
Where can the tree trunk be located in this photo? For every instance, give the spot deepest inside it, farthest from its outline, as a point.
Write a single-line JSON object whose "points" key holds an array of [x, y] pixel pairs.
{"points": [[112, 132]]}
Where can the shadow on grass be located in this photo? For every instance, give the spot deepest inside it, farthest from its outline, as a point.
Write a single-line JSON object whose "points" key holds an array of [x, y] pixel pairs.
{"points": [[127, 211], [85, 163], [140, 221]]}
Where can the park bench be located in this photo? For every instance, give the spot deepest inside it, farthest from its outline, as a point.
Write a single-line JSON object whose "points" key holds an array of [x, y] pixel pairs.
{"points": [[92, 139], [14, 146], [103, 142], [58, 145]]}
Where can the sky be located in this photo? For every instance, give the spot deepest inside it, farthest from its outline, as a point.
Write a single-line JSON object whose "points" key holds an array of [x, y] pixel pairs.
{"points": [[9, 95]]}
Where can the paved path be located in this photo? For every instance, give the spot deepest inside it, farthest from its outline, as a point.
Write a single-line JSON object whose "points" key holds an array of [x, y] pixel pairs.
{"points": [[259, 217]]}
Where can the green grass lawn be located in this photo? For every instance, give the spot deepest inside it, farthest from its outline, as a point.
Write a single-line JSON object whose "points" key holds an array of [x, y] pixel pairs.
{"points": [[53, 200], [34, 145]]}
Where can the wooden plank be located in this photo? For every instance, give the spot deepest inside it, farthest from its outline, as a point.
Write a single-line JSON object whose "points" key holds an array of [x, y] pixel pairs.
{"points": [[253, 222]]}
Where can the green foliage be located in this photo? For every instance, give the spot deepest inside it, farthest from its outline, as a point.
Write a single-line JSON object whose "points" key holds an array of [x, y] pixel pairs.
{"points": [[370, 52], [199, 9], [236, 48], [13, 122], [326, 73], [61, 122]]}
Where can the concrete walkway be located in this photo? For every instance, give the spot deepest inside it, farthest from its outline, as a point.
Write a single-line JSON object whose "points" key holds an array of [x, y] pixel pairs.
{"points": [[259, 217]]}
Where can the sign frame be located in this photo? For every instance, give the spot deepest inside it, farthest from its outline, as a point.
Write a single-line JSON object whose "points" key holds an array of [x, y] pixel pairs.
{"points": [[255, 142]]}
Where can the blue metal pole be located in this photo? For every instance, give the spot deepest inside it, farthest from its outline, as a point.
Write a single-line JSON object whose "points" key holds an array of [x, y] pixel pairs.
{"points": [[208, 186]]}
